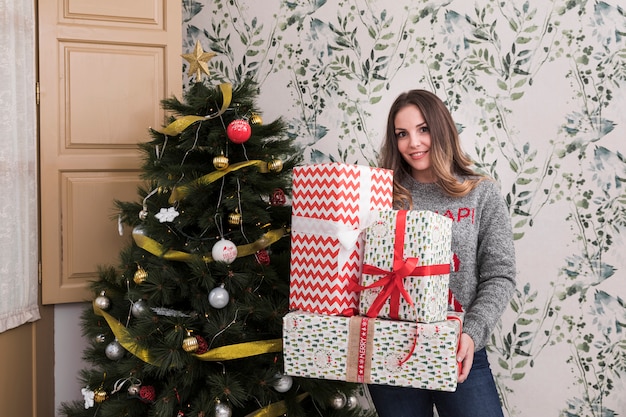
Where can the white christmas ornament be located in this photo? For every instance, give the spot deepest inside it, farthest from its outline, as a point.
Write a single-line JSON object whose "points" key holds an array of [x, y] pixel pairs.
{"points": [[89, 396], [166, 215], [224, 251], [219, 297]]}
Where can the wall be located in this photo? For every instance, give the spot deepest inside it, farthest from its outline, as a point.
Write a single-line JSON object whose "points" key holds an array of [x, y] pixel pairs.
{"points": [[538, 90], [68, 352]]}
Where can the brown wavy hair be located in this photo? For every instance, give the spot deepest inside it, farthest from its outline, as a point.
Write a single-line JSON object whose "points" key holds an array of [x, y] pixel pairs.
{"points": [[447, 159]]}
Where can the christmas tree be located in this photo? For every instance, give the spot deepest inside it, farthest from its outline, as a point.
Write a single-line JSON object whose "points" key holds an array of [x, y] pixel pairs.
{"points": [[190, 322]]}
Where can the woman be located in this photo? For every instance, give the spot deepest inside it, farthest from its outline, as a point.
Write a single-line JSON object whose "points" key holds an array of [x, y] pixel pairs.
{"points": [[431, 172]]}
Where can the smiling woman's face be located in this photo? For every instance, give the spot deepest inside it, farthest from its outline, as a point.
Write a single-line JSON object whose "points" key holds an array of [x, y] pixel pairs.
{"points": [[413, 137]]}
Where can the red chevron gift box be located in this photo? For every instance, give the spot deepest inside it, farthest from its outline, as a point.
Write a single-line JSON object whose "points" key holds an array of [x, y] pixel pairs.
{"points": [[331, 205], [406, 266], [373, 351]]}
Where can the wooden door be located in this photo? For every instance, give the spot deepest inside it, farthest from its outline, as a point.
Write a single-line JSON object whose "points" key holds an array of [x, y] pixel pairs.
{"points": [[104, 67], [27, 363]]}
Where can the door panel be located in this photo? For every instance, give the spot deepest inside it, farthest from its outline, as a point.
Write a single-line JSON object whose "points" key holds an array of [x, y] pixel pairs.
{"points": [[104, 67], [138, 11], [93, 117], [87, 196]]}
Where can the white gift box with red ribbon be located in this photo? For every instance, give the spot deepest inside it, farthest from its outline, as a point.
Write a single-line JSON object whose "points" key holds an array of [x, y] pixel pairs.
{"points": [[372, 350], [331, 205], [406, 266]]}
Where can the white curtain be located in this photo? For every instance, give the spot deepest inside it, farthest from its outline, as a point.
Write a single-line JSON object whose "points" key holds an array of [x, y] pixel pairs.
{"points": [[18, 165]]}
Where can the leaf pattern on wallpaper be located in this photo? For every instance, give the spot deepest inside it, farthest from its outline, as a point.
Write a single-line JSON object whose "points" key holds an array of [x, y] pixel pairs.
{"points": [[596, 196], [346, 66], [336, 62], [505, 70]]}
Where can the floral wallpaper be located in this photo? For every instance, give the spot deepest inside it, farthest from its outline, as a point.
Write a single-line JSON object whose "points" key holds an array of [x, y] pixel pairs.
{"points": [[538, 89]]}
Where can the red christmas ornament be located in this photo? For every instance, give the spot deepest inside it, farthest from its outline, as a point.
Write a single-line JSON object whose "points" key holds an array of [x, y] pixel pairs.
{"points": [[262, 257], [203, 346], [278, 197], [147, 393], [239, 131]]}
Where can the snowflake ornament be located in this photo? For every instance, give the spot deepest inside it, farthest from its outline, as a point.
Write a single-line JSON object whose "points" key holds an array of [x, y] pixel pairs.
{"points": [[89, 396], [167, 215]]}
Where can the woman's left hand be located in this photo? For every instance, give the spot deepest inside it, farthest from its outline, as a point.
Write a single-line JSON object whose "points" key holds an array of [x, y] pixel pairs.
{"points": [[465, 356]]}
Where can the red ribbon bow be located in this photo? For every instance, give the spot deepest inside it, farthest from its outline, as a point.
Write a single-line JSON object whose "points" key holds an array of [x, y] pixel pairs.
{"points": [[393, 281]]}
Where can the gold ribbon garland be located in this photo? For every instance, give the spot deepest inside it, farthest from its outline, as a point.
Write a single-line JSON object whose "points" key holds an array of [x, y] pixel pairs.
{"points": [[236, 351], [177, 126], [123, 337], [181, 192], [242, 350], [148, 244], [276, 409]]}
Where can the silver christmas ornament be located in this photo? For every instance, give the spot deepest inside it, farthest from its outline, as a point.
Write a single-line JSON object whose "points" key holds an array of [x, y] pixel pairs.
{"points": [[351, 402], [219, 297], [134, 389], [139, 307], [102, 301], [282, 383], [338, 401], [114, 350], [223, 410]]}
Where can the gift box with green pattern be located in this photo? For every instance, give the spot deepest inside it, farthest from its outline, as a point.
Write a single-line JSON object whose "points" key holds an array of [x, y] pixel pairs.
{"points": [[372, 350], [406, 266]]}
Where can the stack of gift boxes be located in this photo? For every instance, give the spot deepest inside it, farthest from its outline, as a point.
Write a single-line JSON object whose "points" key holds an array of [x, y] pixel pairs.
{"points": [[369, 297]]}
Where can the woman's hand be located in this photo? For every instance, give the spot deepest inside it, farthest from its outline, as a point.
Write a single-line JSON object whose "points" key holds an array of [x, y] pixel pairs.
{"points": [[465, 356]]}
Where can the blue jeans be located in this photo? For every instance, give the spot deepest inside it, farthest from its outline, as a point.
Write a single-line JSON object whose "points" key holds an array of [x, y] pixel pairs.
{"points": [[476, 397]]}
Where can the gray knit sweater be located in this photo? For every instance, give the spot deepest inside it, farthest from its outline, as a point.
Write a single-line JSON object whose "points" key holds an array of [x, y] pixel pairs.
{"points": [[482, 241]]}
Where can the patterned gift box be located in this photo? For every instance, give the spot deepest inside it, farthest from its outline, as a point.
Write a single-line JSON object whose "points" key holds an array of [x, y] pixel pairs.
{"points": [[407, 260], [331, 204], [372, 350]]}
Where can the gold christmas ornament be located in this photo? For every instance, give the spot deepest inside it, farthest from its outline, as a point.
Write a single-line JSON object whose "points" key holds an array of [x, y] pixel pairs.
{"points": [[220, 162], [234, 219], [190, 343], [275, 165], [255, 119], [99, 395], [140, 275]]}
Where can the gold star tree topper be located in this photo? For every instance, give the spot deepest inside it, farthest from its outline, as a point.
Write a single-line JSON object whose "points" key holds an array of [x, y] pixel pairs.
{"points": [[198, 60]]}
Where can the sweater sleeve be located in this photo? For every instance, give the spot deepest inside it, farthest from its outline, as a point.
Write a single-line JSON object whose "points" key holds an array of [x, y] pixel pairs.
{"points": [[495, 268]]}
